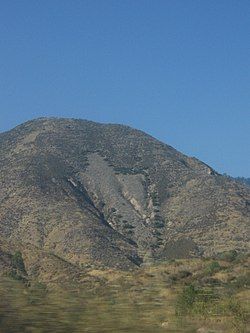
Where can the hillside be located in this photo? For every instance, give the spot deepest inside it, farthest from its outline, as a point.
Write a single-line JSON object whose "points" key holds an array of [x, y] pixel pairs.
{"points": [[76, 193], [243, 180]]}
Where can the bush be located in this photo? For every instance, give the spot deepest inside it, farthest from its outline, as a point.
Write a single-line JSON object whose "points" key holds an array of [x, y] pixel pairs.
{"points": [[157, 233], [213, 268], [194, 300], [17, 262], [239, 314], [15, 276], [128, 226], [186, 300], [184, 274], [242, 281], [228, 255], [159, 224]]}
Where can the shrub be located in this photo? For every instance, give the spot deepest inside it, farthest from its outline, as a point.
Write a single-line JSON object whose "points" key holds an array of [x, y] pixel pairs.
{"points": [[17, 262], [128, 226], [228, 255], [195, 300], [157, 233], [186, 299], [159, 224], [239, 315], [15, 276], [242, 281], [213, 268], [184, 274]]}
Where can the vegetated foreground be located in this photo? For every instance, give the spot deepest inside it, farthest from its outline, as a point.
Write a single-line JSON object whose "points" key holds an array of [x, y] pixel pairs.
{"points": [[189, 295]]}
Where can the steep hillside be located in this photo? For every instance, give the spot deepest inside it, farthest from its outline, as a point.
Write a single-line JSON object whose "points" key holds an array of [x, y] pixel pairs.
{"points": [[109, 195], [243, 180]]}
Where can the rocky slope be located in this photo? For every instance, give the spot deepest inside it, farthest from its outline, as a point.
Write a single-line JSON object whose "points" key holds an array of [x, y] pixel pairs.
{"points": [[85, 193]]}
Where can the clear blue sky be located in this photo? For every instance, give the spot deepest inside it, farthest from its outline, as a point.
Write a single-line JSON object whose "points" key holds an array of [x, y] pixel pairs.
{"points": [[179, 69]]}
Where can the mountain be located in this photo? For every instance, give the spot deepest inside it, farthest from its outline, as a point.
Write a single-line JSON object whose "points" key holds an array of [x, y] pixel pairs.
{"points": [[76, 193], [243, 180]]}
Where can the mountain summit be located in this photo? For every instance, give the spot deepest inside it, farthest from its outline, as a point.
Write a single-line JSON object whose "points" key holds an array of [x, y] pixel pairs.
{"points": [[84, 193]]}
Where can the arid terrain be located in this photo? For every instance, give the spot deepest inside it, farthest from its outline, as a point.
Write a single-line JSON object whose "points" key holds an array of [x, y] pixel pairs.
{"points": [[104, 221], [109, 195]]}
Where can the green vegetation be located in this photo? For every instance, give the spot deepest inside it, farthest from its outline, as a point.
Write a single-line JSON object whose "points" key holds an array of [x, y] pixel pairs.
{"points": [[128, 226], [159, 224], [213, 267], [17, 271], [207, 302], [17, 262], [15, 275], [164, 297], [242, 281], [228, 255]]}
